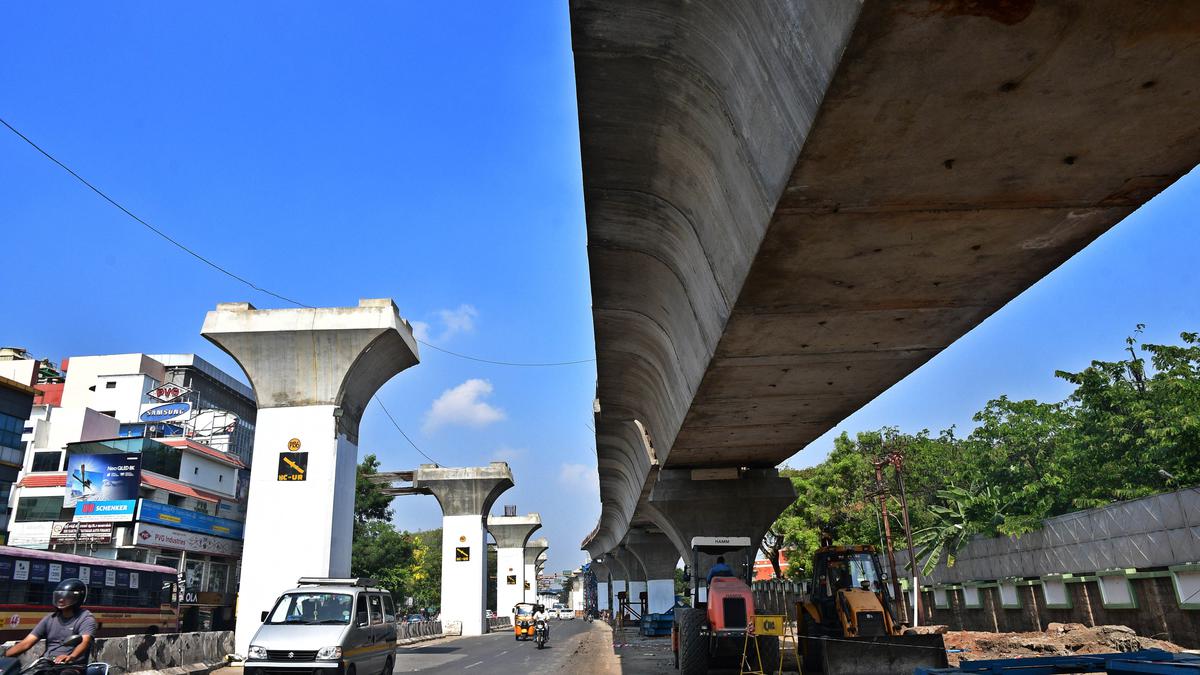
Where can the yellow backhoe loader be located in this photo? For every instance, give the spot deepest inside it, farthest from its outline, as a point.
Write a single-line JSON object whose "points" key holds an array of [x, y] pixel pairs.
{"points": [[847, 624]]}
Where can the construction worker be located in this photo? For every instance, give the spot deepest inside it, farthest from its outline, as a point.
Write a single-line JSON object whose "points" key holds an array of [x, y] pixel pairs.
{"points": [[719, 569]]}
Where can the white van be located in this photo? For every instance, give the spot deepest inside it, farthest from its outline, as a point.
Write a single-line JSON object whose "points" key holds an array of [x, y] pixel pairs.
{"points": [[340, 626]]}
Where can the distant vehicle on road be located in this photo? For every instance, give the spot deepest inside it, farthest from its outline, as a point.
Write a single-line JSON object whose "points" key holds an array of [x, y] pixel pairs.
{"points": [[126, 598], [330, 626], [415, 618], [563, 612]]}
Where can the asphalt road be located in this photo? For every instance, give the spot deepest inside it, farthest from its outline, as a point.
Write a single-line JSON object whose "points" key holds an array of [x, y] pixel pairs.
{"points": [[495, 652]]}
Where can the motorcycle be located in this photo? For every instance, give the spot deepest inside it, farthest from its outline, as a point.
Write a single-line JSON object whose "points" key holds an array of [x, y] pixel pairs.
{"points": [[541, 633], [46, 664]]}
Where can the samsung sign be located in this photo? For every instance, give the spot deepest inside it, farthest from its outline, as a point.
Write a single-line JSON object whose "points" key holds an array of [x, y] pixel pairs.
{"points": [[167, 412]]}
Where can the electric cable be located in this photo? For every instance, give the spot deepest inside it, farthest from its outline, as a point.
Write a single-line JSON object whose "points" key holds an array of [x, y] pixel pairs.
{"points": [[216, 266]]}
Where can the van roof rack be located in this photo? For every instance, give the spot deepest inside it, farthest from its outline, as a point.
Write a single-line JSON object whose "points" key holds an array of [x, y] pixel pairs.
{"points": [[324, 581]]}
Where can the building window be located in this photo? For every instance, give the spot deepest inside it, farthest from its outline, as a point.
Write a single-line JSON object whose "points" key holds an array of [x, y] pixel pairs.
{"points": [[46, 461], [31, 509], [110, 385], [175, 500], [11, 429]]}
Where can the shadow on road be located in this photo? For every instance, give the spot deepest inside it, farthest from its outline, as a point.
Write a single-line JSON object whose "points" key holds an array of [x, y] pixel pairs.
{"points": [[431, 650]]}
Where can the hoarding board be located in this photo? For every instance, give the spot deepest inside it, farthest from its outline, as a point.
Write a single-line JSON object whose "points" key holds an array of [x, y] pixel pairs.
{"points": [[82, 532], [102, 478], [117, 511], [184, 519], [155, 535]]}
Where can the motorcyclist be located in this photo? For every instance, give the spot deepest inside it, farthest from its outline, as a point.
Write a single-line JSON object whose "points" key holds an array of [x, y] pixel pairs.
{"points": [[68, 618], [539, 614]]}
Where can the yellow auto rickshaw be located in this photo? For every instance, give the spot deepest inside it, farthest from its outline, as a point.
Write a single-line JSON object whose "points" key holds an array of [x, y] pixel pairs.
{"points": [[523, 620]]}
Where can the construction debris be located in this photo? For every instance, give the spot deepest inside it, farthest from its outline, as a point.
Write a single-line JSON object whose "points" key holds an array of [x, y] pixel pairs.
{"points": [[1060, 639]]}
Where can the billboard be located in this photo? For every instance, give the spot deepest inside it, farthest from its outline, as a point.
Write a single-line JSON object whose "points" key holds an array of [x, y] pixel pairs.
{"points": [[102, 478], [105, 512], [152, 535], [184, 519], [81, 532]]}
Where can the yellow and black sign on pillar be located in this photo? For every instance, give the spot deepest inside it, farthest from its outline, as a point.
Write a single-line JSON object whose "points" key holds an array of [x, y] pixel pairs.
{"points": [[462, 553], [511, 579], [526, 585], [293, 466]]}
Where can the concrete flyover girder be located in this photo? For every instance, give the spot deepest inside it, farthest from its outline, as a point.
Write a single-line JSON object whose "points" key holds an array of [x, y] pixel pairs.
{"points": [[792, 206], [511, 534], [313, 371], [466, 495]]}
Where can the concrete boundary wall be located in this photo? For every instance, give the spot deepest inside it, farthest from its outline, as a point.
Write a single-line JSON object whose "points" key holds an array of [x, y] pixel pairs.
{"points": [[1152, 607]]}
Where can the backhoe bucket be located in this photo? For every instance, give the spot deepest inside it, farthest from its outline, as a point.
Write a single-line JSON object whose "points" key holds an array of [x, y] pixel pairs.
{"points": [[898, 655]]}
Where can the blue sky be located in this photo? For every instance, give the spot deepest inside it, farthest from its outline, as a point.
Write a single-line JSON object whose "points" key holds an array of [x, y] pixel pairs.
{"points": [[426, 152]]}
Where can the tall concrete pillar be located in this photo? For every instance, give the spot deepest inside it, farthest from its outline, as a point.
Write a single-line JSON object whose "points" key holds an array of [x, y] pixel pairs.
{"points": [[659, 558], [635, 576], [685, 505], [511, 534], [313, 373], [603, 588], [619, 579], [466, 496], [533, 549]]}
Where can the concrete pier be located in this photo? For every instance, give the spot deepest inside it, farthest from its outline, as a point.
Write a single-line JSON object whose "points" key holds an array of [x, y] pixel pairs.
{"points": [[466, 495], [533, 549], [659, 558], [511, 534], [603, 587], [313, 373]]}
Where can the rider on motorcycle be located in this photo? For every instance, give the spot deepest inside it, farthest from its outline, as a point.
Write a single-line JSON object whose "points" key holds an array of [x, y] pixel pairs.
{"points": [[539, 614], [68, 618]]}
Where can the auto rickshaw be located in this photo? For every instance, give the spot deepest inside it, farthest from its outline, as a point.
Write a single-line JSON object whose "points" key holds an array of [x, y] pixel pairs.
{"points": [[523, 626]]}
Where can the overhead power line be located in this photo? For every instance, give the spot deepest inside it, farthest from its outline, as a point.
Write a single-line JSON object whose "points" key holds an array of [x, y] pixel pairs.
{"points": [[218, 267]]}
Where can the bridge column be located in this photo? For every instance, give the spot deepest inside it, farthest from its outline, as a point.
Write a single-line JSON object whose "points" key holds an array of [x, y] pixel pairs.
{"points": [[466, 496], [313, 373], [619, 580], [659, 558], [533, 549], [684, 504], [603, 595], [635, 576], [511, 534]]}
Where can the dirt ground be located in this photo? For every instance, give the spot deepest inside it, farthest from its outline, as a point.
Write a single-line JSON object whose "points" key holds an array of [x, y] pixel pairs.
{"points": [[1059, 640]]}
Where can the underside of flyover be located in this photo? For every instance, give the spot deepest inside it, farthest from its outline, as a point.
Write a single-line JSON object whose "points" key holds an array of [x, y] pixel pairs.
{"points": [[793, 205]]}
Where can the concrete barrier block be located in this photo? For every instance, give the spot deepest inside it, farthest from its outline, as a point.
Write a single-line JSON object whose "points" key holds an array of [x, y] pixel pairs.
{"points": [[191, 648], [114, 652]]}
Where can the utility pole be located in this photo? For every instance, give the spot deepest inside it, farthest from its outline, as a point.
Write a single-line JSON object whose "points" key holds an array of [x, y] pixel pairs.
{"points": [[897, 461], [887, 527]]}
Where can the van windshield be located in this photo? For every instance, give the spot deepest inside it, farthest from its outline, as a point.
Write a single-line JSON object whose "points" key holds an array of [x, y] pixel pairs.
{"points": [[312, 608]]}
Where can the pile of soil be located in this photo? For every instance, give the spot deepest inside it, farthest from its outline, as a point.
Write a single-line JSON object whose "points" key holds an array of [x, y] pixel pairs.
{"points": [[1060, 639]]}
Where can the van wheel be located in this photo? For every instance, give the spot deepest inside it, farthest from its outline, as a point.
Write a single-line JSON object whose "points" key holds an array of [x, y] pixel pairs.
{"points": [[350, 670], [387, 667]]}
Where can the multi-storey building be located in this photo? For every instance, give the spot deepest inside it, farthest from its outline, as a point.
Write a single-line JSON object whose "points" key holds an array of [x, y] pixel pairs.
{"points": [[191, 428]]}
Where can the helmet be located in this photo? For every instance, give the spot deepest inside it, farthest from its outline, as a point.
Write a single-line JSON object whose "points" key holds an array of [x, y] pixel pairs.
{"points": [[70, 593]]}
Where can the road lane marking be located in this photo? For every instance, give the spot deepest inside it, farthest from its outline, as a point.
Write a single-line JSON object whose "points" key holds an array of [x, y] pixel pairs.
{"points": [[472, 665]]}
